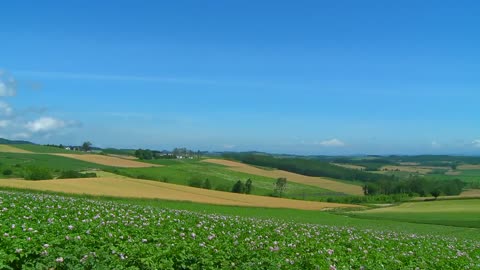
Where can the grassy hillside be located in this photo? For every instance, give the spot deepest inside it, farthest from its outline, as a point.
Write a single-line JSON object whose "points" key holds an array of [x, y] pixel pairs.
{"points": [[44, 149], [184, 172], [17, 162], [9, 142], [460, 213], [114, 151]]}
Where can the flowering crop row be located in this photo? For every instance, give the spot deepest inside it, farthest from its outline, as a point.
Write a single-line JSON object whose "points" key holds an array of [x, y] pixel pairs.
{"points": [[46, 231]]}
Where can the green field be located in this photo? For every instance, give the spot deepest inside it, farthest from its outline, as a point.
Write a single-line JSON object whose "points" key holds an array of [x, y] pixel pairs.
{"points": [[44, 149], [458, 213], [17, 162], [182, 172], [83, 232], [359, 220], [113, 151]]}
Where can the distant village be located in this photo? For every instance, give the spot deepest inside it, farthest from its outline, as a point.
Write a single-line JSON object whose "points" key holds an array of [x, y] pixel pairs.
{"points": [[147, 154]]}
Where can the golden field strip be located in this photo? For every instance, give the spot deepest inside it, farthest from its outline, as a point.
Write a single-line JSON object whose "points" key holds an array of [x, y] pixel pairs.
{"points": [[350, 166], [10, 149], [297, 178], [109, 160], [410, 169], [136, 188]]}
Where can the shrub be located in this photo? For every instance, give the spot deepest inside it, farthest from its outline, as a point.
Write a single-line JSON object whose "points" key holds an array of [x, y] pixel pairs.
{"points": [[207, 184], [238, 187], [195, 182], [223, 188], [7, 172], [37, 173]]}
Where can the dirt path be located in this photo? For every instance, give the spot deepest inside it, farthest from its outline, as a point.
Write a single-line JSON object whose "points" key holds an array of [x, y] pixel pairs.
{"points": [[297, 178]]}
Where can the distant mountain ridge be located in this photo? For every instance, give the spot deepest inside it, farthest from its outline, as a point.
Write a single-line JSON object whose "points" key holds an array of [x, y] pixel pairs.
{"points": [[6, 141]]}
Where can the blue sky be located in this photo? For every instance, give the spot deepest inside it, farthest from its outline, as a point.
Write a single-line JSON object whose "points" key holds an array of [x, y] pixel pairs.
{"points": [[306, 77]]}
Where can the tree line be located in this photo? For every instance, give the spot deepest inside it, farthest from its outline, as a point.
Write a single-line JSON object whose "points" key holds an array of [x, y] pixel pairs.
{"points": [[373, 183]]}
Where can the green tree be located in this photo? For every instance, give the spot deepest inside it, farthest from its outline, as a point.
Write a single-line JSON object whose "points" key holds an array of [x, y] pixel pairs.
{"points": [[248, 186], [207, 184], [239, 187], [435, 193], [144, 154], [453, 166], [86, 146], [280, 186]]}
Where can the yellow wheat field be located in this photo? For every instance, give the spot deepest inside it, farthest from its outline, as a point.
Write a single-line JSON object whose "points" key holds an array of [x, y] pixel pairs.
{"points": [[350, 166], [11, 149], [293, 177], [109, 160], [136, 188]]}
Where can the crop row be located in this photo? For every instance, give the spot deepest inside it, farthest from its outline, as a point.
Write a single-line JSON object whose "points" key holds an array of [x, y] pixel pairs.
{"points": [[47, 231]]}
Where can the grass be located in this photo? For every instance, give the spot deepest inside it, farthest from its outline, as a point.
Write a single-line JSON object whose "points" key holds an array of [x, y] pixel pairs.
{"points": [[44, 149], [221, 178], [113, 151], [459, 213], [322, 182], [17, 162], [137, 188]]}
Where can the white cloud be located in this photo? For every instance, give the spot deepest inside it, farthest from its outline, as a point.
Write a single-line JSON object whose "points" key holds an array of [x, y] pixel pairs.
{"points": [[476, 143], [229, 146], [45, 124], [8, 85], [435, 144], [331, 143], [4, 123], [5, 109], [21, 135]]}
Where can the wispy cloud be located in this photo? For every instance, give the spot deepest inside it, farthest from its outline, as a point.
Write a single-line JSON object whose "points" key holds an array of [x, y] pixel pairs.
{"points": [[8, 84], [331, 143], [5, 109], [4, 123], [104, 77], [229, 146], [45, 124], [476, 143], [20, 124]]}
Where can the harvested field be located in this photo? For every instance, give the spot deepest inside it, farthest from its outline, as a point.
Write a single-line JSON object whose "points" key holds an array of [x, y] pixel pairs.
{"points": [[469, 167], [410, 169], [450, 172], [109, 161], [350, 166], [135, 188], [471, 193], [123, 156], [11, 149], [293, 177], [409, 163]]}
